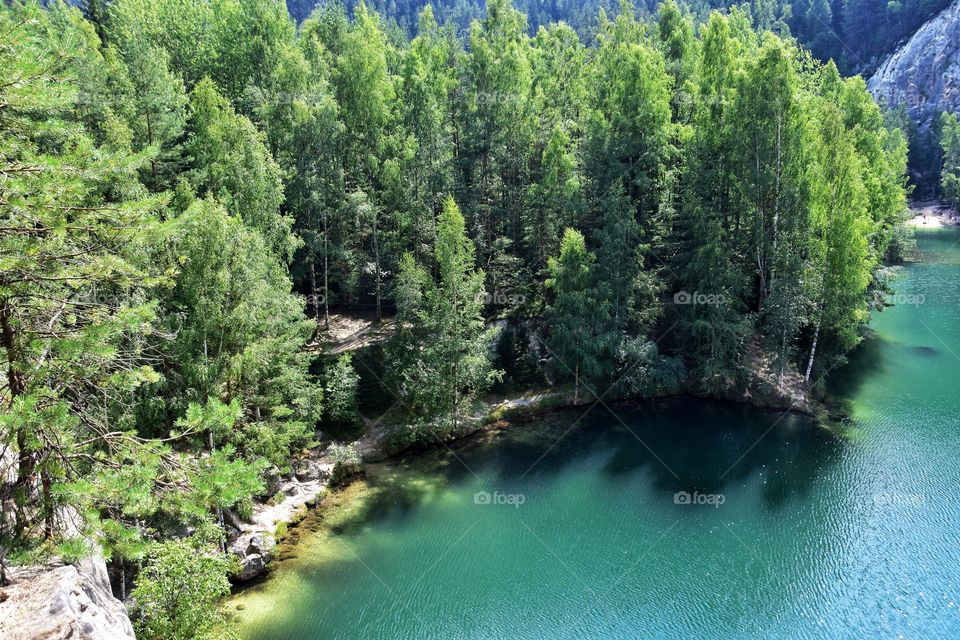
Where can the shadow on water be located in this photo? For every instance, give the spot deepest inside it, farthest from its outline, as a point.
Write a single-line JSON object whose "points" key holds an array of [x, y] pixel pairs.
{"points": [[708, 446], [683, 444], [865, 362], [680, 444]]}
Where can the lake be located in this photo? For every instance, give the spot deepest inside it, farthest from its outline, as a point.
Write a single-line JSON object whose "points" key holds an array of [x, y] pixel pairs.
{"points": [[670, 519]]}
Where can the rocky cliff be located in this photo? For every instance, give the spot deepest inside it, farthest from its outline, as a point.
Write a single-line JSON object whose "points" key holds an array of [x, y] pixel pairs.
{"points": [[924, 74], [59, 602]]}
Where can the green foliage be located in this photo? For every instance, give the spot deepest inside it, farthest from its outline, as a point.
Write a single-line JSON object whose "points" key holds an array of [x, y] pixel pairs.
{"points": [[107, 293], [439, 358], [341, 394], [178, 590], [73, 550], [577, 336], [73, 279], [950, 171], [239, 334], [232, 164], [670, 195], [855, 33]]}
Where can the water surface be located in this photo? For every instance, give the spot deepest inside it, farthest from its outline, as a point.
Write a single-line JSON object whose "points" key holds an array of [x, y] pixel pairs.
{"points": [[677, 519]]}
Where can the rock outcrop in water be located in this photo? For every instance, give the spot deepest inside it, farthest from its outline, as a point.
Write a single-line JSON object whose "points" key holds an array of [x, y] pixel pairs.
{"points": [[924, 74]]}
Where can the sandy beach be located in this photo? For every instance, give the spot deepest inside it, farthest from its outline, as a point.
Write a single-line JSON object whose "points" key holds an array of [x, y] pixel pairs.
{"points": [[934, 215]]}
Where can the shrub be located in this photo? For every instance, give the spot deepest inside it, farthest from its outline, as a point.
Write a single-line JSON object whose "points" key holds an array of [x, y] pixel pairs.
{"points": [[178, 590], [244, 509], [344, 454], [73, 550]]}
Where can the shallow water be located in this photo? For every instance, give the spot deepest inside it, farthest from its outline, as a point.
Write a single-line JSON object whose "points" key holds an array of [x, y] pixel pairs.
{"points": [[678, 519]]}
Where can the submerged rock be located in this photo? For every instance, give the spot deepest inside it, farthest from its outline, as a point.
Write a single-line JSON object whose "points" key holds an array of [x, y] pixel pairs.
{"points": [[924, 351], [59, 602]]}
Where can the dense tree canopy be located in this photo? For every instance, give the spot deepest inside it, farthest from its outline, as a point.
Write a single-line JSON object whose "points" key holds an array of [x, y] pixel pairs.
{"points": [[950, 171], [190, 186], [855, 33]]}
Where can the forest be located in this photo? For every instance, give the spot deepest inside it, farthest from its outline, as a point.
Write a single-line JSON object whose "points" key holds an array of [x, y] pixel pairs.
{"points": [[857, 34], [190, 188]]}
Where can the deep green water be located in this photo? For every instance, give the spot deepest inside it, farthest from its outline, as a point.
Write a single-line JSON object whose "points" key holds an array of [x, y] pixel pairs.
{"points": [[817, 536]]}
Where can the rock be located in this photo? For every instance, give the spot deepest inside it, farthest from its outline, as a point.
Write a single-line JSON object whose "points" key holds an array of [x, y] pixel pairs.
{"points": [[255, 550], [372, 446], [232, 519], [66, 601], [250, 567], [315, 470], [307, 470], [289, 499], [291, 488], [271, 482], [344, 470], [258, 544], [924, 74]]}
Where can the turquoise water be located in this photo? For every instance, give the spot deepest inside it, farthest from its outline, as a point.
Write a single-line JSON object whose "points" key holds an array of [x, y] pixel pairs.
{"points": [[573, 528]]}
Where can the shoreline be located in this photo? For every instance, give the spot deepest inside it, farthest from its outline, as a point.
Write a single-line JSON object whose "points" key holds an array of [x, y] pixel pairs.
{"points": [[933, 215], [259, 546]]}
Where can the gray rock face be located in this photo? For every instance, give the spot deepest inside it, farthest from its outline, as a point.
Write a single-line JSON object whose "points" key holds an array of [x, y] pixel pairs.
{"points": [[71, 601], [255, 550], [925, 73], [251, 566]]}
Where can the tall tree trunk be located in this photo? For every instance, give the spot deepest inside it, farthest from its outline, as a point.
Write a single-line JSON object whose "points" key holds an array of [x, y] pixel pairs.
{"points": [[776, 204], [782, 357], [26, 459], [314, 301], [48, 512], [576, 384], [376, 263], [153, 160], [326, 271], [813, 353], [458, 349]]}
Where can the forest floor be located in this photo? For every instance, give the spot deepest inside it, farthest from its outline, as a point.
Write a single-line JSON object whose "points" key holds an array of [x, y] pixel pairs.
{"points": [[768, 389], [349, 332]]}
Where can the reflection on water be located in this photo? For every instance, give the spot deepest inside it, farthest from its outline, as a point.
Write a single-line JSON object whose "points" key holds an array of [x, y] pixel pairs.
{"points": [[677, 519]]}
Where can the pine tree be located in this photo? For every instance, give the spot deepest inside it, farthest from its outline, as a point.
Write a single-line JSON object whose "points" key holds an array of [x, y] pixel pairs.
{"points": [[231, 163], [578, 340], [341, 394], [72, 280], [239, 334], [440, 357]]}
